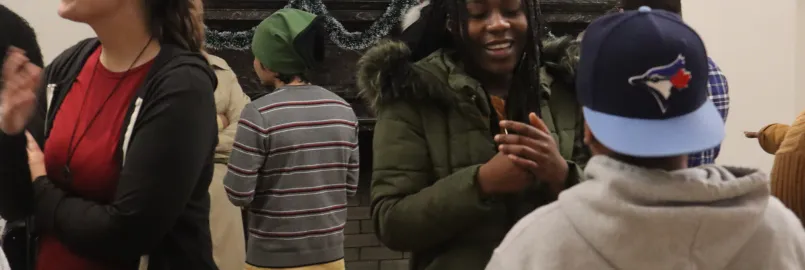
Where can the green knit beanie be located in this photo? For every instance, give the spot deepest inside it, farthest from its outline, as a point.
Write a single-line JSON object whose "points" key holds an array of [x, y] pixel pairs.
{"points": [[289, 41]]}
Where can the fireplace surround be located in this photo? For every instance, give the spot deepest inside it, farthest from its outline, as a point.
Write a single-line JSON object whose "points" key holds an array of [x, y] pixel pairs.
{"points": [[337, 73]]}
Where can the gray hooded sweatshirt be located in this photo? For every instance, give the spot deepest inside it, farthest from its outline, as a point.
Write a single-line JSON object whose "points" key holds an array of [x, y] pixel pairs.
{"points": [[632, 218]]}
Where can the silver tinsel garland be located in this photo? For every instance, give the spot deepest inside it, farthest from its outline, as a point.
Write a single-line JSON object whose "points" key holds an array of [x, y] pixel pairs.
{"points": [[241, 40]]}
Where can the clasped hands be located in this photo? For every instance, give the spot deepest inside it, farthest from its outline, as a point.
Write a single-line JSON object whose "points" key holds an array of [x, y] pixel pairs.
{"points": [[529, 154]]}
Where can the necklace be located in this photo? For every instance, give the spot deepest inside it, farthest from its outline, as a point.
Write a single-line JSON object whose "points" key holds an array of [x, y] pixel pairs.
{"points": [[71, 148]]}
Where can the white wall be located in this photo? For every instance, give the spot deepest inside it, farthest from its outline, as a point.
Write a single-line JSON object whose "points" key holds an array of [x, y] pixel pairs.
{"points": [[800, 48], [755, 44], [54, 33]]}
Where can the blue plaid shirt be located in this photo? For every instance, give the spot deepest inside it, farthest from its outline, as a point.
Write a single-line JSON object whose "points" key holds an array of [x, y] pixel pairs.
{"points": [[719, 93]]}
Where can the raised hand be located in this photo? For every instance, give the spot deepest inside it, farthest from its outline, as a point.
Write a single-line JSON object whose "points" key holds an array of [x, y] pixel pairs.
{"points": [[533, 148], [20, 78]]}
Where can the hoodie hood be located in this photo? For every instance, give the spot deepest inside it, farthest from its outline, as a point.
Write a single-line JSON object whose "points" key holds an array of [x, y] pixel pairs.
{"points": [[386, 74], [700, 216]]}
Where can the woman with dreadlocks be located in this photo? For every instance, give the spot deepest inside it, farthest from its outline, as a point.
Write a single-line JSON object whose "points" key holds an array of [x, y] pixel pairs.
{"points": [[474, 129]]}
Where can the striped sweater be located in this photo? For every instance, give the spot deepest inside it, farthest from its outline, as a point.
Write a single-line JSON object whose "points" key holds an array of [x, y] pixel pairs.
{"points": [[295, 161]]}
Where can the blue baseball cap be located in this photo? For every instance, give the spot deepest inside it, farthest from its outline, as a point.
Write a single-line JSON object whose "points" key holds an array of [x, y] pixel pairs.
{"points": [[642, 82]]}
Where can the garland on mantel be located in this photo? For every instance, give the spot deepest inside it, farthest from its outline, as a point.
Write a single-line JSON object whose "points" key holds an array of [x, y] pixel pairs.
{"points": [[241, 40]]}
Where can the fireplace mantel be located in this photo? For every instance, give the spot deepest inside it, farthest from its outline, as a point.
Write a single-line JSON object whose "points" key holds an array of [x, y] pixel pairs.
{"points": [[337, 71], [362, 249], [564, 16], [555, 11]]}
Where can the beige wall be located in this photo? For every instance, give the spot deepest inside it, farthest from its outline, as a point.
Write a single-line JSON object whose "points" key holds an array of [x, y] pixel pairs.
{"points": [[54, 33], [800, 49], [755, 43]]}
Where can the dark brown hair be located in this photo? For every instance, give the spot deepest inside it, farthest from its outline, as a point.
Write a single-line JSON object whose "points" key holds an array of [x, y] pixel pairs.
{"points": [[674, 6], [173, 22]]}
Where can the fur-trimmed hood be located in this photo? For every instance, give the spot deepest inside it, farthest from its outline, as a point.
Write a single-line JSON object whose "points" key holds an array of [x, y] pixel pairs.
{"points": [[385, 73]]}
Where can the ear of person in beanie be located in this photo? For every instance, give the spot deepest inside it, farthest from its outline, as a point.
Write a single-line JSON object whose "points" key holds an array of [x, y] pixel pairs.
{"points": [[284, 42]]}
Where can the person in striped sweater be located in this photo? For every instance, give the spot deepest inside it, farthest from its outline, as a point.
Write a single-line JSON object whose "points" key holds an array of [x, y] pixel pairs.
{"points": [[295, 157]]}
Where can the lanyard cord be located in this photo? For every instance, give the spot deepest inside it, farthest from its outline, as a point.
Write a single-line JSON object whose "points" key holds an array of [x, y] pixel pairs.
{"points": [[72, 148]]}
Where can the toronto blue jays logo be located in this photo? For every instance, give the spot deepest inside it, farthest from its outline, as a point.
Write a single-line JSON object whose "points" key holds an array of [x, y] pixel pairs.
{"points": [[663, 79]]}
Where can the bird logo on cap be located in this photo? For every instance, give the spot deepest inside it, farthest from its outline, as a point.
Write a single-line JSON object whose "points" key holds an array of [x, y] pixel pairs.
{"points": [[662, 79]]}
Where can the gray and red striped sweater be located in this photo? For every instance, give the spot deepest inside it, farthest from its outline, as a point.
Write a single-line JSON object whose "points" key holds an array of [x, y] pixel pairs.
{"points": [[293, 164]]}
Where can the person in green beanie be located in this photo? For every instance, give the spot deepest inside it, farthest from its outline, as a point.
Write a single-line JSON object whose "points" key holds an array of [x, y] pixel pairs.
{"points": [[295, 157], [286, 45]]}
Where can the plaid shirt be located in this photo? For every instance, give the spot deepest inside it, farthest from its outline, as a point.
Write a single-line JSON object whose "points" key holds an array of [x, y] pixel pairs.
{"points": [[719, 93]]}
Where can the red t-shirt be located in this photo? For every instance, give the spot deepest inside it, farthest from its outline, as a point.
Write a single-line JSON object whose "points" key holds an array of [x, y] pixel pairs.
{"points": [[94, 166]]}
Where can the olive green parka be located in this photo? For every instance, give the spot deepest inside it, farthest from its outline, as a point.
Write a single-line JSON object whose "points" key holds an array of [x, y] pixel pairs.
{"points": [[432, 135]]}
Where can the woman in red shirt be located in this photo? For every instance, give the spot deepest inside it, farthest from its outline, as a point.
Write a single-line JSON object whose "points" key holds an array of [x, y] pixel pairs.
{"points": [[127, 124]]}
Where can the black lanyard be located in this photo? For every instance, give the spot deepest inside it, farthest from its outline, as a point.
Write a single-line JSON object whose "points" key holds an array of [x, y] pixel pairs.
{"points": [[68, 176]]}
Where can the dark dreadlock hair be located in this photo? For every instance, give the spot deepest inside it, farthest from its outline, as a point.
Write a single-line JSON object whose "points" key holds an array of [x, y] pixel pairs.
{"points": [[429, 34]]}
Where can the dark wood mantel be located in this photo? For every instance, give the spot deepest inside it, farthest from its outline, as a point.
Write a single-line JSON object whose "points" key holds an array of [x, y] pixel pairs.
{"points": [[337, 72], [556, 11]]}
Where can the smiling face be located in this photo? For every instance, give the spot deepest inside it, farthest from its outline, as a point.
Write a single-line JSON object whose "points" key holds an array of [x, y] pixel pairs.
{"points": [[496, 32]]}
